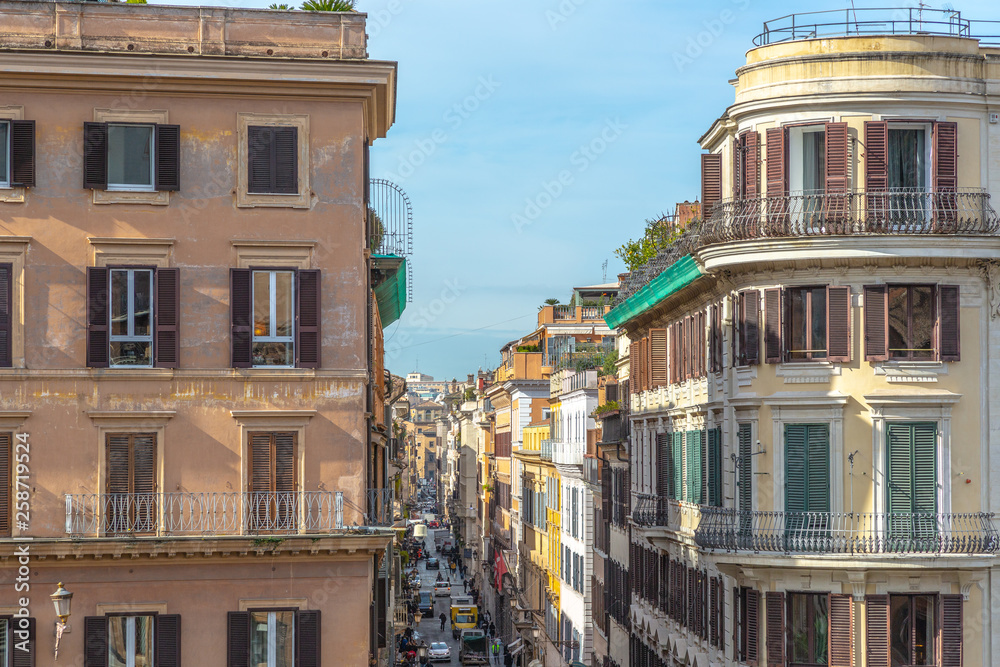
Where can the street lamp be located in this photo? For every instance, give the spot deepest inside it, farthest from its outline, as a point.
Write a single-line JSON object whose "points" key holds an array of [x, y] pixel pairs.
{"points": [[422, 651], [62, 599], [418, 617]]}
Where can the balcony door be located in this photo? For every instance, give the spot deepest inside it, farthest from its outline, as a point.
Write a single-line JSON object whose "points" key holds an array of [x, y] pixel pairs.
{"points": [[807, 174], [130, 490], [911, 477], [807, 486], [271, 500]]}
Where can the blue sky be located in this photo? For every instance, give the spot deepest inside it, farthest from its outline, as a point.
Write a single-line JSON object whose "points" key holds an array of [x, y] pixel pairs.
{"points": [[534, 142]]}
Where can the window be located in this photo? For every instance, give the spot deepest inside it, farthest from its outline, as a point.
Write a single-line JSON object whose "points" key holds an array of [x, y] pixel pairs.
{"points": [[275, 317], [17, 641], [130, 641], [272, 160], [912, 630], [271, 484], [131, 157], [912, 322], [909, 157], [746, 322], [272, 638], [132, 317], [17, 153], [807, 172], [807, 483], [746, 612], [4, 155], [808, 628], [806, 323], [130, 497], [693, 466]]}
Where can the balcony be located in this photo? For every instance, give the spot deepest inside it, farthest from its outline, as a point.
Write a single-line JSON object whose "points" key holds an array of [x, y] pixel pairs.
{"points": [[655, 511], [184, 514], [847, 533], [568, 453], [546, 450], [857, 213], [592, 471]]}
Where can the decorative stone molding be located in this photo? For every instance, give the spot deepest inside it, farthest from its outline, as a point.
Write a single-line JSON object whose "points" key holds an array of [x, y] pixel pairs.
{"points": [[13, 194], [303, 196], [989, 269], [107, 251], [857, 580], [150, 196], [812, 372]]}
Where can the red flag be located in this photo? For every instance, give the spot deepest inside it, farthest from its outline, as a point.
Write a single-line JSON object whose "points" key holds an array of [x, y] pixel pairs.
{"points": [[500, 570]]}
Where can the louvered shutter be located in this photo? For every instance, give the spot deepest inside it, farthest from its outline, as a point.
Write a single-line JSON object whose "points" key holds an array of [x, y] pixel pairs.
{"points": [[818, 468], [795, 473], [238, 639], [662, 465], [143, 480], [239, 318], [6, 470], [646, 380], [95, 639], [284, 462], [309, 316], [951, 631], [753, 628], [838, 174], [713, 621], [715, 467], [772, 326], [286, 160], [6, 315], [686, 337], [737, 649], [307, 630], [876, 173], [877, 630], [925, 478], [949, 311], [261, 479], [672, 361], [750, 338], [711, 182], [743, 436], [777, 157], [658, 356], [168, 640], [699, 330], [23, 658], [841, 622], [945, 166], [118, 504], [168, 157], [97, 317], [751, 182], [876, 305], [689, 618], [838, 324], [260, 148], [167, 318], [775, 609], [633, 364], [95, 156], [694, 467], [900, 479], [713, 339], [22, 153], [739, 160], [678, 466], [722, 614]]}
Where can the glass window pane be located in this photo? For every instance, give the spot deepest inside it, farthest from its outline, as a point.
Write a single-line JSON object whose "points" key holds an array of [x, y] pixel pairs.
{"points": [[119, 303], [924, 631], [818, 343], [814, 162], [922, 299], [820, 625], [273, 354], [899, 630], [258, 638], [143, 282], [284, 639], [4, 147], [898, 322], [143, 641], [262, 303], [130, 155], [799, 623], [907, 158], [283, 303], [797, 324], [118, 641], [131, 353]]}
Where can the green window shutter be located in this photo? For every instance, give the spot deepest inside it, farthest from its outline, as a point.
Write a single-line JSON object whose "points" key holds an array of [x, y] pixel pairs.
{"points": [[678, 451], [694, 467], [912, 480], [795, 467], [925, 468], [715, 467], [818, 468], [746, 470]]}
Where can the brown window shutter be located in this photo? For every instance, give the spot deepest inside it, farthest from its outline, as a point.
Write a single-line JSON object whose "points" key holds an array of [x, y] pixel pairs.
{"points": [[945, 159], [688, 358], [750, 339], [6, 315], [775, 606], [284, 461], [838, 324], [95, 641], [838, 168], [237, 639], [949, 312], [658, 356], [633, 364], [877, 631], [97, 317], [700, 332], [286, 160], [95, 156], [876, 305], [672, 354], [951, 630], [168, 640], [143, 463], [739, 160], [118, 446], [307, 631], [711, 182], [691, 599], [876, 156], [722, 614], [753, 628], [22, 153], [663, 464], [260, 467], [841, 621], [646, 385], [24, 658], [309, 316], [239, 318], [260, 151], [713, 621], [167, 318], [736, 624], [168, 157], [713, 334], [6, 470], [751, 183], [777, 162], [772, 326]]}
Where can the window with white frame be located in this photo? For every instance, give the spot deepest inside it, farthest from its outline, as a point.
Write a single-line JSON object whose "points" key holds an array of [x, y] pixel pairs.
{"points": [[130, 641], [130, 157], [131, 317], [274, 318], [4, 154], [272, 638]]}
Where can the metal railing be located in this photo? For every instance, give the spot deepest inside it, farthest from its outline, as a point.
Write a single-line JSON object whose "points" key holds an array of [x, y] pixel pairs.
{"points": [[895, 211], [568, 453], [564, 312], [876, 21], [210, 513], [546, 450], [652, 510], [847, 533], [592, 471], [380, 512]]}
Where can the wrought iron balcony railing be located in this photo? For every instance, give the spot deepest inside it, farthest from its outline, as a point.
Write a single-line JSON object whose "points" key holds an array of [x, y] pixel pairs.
{"points": [[380, 507], [847, 533], [898, 211], [546, 451], [203, 514], [650, 510]]}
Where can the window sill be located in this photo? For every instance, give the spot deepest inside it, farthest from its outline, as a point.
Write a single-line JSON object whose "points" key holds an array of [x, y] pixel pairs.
{"points": [[13, 195], [153, 198], [911, 371], [807, 372]]}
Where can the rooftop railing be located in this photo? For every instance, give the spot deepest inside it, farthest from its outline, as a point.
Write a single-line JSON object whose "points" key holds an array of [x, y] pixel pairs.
{"points": [[899, 211], [877, 21]]}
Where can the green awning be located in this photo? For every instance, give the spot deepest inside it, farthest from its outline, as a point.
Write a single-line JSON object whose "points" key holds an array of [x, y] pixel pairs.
{"points": [[678, 275], [390, 294]]}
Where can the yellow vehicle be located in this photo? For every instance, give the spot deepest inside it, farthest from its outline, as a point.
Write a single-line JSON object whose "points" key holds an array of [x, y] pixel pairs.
{"points": [[464, 615]]}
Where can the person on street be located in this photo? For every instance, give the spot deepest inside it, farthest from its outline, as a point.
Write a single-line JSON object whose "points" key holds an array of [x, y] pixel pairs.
{"points": [[443, 618], [465, 585], [493, 629]]}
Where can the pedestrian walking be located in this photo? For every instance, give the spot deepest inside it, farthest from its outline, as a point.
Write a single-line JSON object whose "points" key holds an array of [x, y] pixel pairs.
{"points": [[465, 585], [493, 629], [443, 618]]}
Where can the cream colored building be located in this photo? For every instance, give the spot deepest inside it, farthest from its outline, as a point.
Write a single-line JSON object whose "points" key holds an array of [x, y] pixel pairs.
{"points": [[815, 461]]}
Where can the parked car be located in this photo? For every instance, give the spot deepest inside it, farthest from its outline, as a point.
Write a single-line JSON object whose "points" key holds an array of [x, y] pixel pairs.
{"points": [[433, 564], [439, 652], [442, 589], [426, 603]]}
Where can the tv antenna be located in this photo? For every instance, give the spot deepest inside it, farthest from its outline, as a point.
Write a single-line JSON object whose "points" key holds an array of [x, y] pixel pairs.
{"points": [[604, 271]]}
